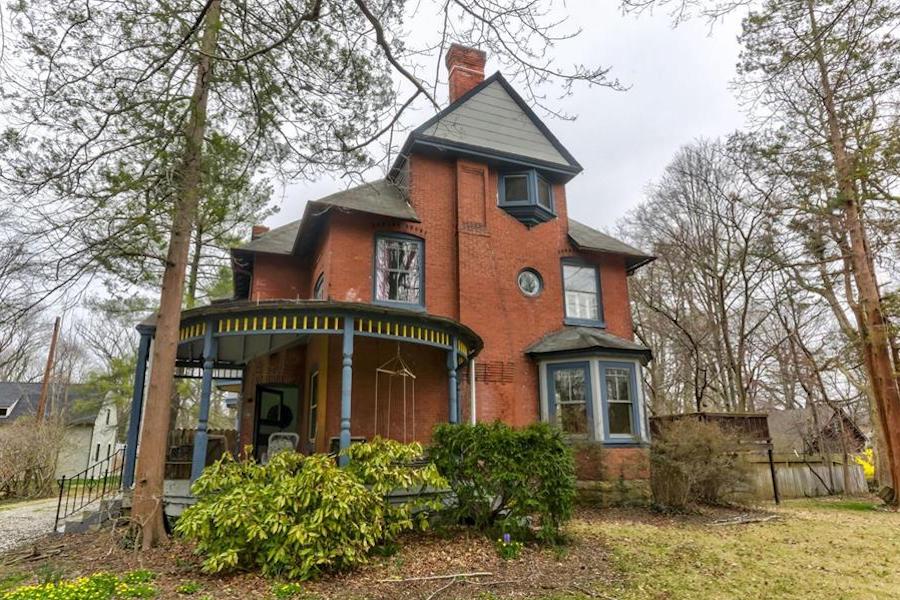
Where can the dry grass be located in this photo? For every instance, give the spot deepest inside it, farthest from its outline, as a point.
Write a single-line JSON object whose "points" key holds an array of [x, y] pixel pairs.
{"points": [[816, 549]]}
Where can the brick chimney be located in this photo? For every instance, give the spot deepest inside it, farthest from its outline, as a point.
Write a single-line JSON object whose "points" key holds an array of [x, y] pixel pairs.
{"points": [[466, 69], [257, 231]]}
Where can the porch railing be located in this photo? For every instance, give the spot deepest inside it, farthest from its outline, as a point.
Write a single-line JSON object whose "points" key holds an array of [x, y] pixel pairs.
{"points": [[98, 481]]}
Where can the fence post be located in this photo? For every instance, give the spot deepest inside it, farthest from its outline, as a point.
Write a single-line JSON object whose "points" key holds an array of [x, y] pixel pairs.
{"points": [[774, 478], [62, 484]]}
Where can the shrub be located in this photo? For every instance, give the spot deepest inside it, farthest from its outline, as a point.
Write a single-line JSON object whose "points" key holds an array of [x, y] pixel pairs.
{"points": [[300, 515], [100, 586], [693, 462], [28, 452], [504, 477]]}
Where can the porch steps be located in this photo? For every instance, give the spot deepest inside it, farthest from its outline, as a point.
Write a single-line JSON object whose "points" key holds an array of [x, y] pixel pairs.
{"points": [[92, 518]]}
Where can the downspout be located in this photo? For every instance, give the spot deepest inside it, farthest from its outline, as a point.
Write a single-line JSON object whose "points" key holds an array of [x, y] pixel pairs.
{"points": [[473, 414]]}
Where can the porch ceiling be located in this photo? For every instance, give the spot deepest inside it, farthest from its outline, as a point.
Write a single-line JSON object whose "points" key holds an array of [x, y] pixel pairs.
{"points": [[246, 329]]}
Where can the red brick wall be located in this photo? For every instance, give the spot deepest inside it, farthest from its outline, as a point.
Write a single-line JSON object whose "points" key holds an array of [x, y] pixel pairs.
{"points": [[279, 277]]}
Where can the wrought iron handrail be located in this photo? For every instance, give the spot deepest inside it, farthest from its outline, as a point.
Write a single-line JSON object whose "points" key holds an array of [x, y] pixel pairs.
{"points": [[97, 481]]}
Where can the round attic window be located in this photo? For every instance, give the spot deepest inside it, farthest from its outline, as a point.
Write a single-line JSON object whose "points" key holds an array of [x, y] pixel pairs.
{"points": [[530, 282]]}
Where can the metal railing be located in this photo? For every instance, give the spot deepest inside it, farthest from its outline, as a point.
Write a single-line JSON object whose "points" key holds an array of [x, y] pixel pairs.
{"points": [[99, 480]]}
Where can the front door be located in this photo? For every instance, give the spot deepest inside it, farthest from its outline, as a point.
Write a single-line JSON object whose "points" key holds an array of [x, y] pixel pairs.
{"points": [[276, 411]]}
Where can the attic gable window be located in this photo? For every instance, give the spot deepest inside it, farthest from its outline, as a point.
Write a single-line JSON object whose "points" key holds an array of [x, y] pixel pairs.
{"points": [[527, 196], [399, 270]]}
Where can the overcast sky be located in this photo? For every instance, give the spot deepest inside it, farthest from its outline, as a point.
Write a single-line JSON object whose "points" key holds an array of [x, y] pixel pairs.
{"points": [[679, 91]]}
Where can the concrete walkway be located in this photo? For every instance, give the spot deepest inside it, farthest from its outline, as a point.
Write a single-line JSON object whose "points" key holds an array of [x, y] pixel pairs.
{"points": [[24, 521]]}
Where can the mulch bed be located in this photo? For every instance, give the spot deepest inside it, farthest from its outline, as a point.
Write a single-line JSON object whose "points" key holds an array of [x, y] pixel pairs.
{"points": [[576, 568], [419, 569]]}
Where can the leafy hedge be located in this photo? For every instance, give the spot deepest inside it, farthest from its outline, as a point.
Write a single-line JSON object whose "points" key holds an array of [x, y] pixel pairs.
{"points": [[298, 516], [518, 481]]}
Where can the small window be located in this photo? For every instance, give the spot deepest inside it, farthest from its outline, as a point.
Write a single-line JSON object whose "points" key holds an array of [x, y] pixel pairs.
{"points": [[544, 194], [319, 288], [530, 282], [515, 189], [3, 413], [582, 294], [97, 453], [313, 406], [108, 450], [107, 416], [619, 401], [399, 270]]}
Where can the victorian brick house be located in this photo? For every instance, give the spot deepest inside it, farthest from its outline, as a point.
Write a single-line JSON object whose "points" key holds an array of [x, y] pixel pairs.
{"points": [[455, 289]]}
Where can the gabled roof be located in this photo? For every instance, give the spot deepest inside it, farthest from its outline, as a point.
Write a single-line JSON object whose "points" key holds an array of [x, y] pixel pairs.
{"points": [[492, 122], [575, 340], [21, 399], [380, 197], [277, 241], [587, 238], [793, 430]]}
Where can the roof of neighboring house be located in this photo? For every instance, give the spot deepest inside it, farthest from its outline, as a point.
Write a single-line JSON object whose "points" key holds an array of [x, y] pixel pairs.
{"points": [[587, 238], [492, 121], [21, 399], [794, 429], [574, 340]]}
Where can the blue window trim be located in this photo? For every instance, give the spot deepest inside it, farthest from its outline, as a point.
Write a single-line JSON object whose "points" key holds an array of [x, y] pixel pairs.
{"points": [[532, 200], [575, 262], [635, 437], [589, 398], [388, 235]]}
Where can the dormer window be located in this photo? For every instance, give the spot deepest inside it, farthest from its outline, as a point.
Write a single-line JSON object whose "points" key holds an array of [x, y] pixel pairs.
{"points": [[527, 196]]}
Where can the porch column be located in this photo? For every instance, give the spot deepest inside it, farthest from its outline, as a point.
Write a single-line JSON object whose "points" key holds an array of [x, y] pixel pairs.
{"points": [[137, 406], [201, 438], [452, 362], [346, 384]]}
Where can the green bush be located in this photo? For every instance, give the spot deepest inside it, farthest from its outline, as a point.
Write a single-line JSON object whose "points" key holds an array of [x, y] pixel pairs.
{"points": [[693, 462], [508, 480], [100, 586], [300, 515]]}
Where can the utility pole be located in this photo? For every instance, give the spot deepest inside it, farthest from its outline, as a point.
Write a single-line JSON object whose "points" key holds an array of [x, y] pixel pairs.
{"points": [[45, 383]]}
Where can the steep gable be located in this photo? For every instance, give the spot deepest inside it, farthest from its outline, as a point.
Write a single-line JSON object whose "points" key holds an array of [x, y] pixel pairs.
{"points": [[492, 119], [492, 123]]}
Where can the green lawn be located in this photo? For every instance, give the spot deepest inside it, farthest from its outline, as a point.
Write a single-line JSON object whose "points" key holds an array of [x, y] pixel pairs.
{"points": [[818, 549]]}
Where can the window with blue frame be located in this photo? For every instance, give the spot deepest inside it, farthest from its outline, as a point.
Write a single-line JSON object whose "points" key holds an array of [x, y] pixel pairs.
{"points": [[319, 288], [526, 195], [399, 269], [618, 389], [570, 403], [581, 290]]}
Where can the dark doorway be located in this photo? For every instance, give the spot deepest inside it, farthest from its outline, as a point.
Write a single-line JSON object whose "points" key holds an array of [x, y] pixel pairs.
{"points": [[277, 410]]}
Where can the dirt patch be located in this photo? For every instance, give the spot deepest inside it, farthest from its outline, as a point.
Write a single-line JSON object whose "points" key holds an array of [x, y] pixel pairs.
{"points": [[569, 570]]}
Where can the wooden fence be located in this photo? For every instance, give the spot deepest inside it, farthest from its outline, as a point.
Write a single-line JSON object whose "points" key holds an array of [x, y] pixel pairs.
{"points": [[181, 450], [803, 476]]}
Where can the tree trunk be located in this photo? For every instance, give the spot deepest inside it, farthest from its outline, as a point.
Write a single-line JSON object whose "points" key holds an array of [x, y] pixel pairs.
{"points": [[873, 335], [191, 298], [147, 510]]}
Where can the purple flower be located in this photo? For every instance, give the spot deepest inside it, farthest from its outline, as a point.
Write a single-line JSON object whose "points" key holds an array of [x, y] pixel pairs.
{"points": [[506, 538]]}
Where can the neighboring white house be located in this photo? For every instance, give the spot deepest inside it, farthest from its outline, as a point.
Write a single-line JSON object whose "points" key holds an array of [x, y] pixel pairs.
{"points": [[90, 432]]}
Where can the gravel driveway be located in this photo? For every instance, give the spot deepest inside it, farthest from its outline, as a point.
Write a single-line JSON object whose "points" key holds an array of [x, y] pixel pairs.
{"points": [[25, 521]]}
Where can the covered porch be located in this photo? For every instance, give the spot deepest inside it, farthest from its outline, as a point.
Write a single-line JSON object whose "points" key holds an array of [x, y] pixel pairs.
{"points": [[315, 375]]}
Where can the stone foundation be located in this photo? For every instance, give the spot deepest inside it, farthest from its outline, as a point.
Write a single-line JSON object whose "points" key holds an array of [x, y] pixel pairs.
{"points": [[612, 475]]}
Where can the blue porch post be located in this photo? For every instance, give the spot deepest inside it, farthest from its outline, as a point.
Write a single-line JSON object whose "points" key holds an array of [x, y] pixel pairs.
{"points": [[452, 363], [137, 406], [201, 438], [346, 384]]}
